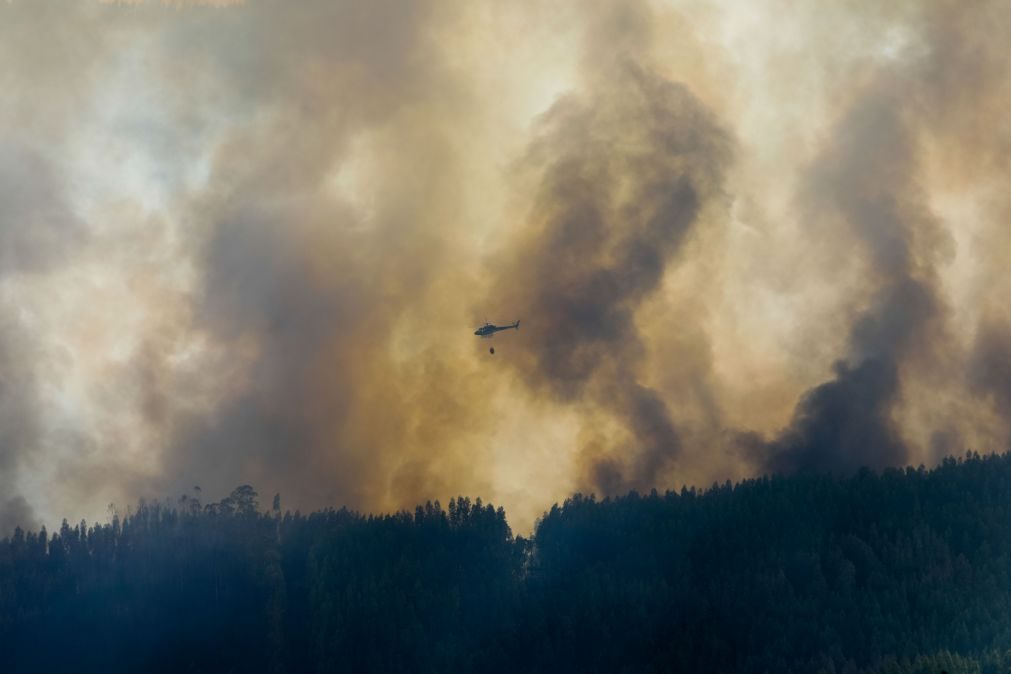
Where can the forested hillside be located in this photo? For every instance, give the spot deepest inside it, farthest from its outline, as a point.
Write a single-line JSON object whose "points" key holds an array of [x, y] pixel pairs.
{"points": [[905, 571]]}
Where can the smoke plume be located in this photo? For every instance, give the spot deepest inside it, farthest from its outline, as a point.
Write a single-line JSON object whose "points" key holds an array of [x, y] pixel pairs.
{"points": [[622, 173], [250, 242], [866, 181]]}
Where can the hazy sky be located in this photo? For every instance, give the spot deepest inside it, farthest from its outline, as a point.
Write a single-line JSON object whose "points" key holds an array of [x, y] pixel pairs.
{"points": [[250, 242]]}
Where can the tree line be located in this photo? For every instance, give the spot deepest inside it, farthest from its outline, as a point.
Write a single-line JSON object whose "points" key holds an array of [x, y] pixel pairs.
{"points": [[899, 572]]}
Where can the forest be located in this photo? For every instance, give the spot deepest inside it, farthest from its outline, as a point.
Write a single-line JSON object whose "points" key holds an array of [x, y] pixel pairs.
{"points": [[893, 572]]}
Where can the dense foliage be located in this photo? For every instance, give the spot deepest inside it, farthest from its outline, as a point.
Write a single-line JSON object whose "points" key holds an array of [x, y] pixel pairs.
{"points": [[901, 572]]}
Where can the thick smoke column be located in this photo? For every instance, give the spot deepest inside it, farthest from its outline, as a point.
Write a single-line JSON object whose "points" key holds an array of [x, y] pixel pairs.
{"points": [[866, 180], [307, 290], [989, 371], [621, 175]]}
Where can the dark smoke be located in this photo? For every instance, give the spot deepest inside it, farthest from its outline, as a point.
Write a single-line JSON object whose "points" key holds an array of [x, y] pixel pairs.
{"points": [[846, 423], [866, 179], [257, 290], [989, 371], [622, 175], [16, 512]]}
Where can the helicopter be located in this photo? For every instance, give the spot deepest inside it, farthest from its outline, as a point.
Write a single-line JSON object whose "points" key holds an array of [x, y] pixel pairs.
{"points": [[488, 330]]}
